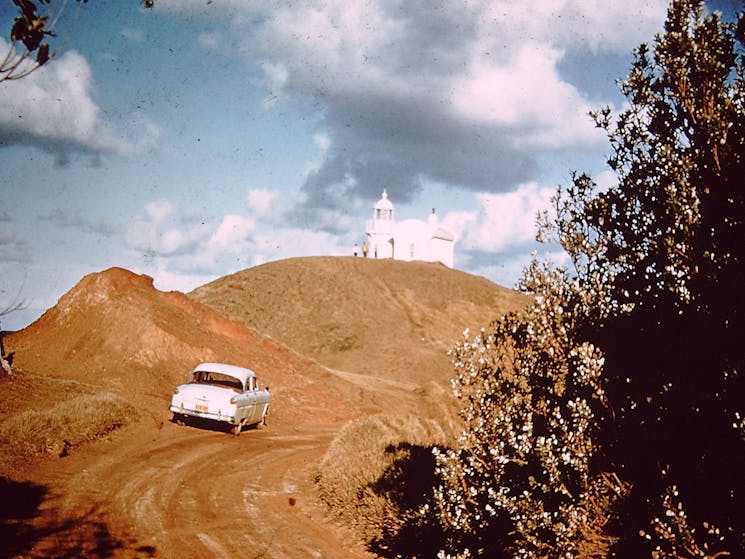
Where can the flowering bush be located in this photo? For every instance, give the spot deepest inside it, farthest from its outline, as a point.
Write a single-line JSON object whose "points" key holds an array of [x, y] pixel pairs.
{"points": [[606, 419], [532, 396]]}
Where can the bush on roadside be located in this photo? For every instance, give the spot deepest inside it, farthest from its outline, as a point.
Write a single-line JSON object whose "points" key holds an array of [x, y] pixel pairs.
{"points": [[67, 424], [377, 477]]}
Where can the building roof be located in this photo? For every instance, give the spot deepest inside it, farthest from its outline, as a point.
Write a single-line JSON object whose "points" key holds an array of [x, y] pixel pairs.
{"points": [[384, 203], [444, 234]]}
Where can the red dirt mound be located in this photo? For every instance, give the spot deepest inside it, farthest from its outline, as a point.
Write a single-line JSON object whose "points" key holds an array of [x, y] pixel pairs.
{"points": [[114, 329]]}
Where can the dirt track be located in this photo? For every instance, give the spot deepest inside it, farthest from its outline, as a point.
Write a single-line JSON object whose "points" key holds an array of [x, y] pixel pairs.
{"points": [[161, 490]]}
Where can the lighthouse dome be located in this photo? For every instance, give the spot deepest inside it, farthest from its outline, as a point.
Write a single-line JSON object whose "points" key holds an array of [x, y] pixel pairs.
{"points": [[384, 203]]}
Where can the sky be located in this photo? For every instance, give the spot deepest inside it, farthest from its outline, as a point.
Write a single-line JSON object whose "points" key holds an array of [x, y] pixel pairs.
{"points": [[202, 137]]}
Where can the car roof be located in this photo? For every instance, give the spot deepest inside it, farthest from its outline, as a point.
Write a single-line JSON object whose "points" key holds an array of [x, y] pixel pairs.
{"points": [[241, 373]]}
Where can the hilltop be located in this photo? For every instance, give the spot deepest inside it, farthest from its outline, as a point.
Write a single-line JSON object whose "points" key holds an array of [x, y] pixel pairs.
{"points": [[384, 318]]}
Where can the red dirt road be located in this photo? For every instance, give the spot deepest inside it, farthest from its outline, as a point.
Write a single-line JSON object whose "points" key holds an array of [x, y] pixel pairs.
{"points": [[162, 490]]}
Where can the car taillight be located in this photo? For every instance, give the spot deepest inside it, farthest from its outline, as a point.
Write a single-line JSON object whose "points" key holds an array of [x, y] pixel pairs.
{"points": [[175, 391], [232, 400]]}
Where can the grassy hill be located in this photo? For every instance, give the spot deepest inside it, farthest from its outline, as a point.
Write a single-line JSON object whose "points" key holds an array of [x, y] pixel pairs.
{"points": [[386, 326], [384, 318]]}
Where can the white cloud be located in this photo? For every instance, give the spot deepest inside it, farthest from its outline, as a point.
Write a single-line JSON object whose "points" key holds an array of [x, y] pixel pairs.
{"points": [[168, 280], [323, 141], [148, 133], [232, 233], [606, 180], [163, 231], [261, 201], [525, 95], [337, 42], [578, 24], [184, 258], [290, 242], [160, 210], [465, 94], [276, 74], [458, 222], [53, 108], [505, 221]]}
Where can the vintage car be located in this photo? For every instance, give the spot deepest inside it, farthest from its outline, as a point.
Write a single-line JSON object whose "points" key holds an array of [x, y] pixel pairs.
{"points": [[224, 393]]}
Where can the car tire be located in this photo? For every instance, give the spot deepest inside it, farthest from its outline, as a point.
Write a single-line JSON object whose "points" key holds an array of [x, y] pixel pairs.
{"points": [[235, 430]]}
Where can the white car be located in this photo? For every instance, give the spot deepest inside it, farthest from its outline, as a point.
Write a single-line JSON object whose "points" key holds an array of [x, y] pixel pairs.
{"points": [[224, 393]]}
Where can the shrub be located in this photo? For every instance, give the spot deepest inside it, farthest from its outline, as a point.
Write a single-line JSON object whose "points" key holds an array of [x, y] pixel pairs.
{"points": [[520, 480], [377, 475], [67, 424]]}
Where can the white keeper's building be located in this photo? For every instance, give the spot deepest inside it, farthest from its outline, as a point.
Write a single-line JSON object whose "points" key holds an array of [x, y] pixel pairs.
{"points": [[411, 239]]}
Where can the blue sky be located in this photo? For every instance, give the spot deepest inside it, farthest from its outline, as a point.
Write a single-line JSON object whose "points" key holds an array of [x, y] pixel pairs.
{"points": [[199, 138]]}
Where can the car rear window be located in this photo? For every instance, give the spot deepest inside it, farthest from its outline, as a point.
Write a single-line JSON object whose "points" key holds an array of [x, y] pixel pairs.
{"points": [[217, 379]]}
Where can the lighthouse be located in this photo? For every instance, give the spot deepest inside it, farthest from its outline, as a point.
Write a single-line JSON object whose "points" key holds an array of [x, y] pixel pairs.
{"points": [[379, 232], [411, 239]]}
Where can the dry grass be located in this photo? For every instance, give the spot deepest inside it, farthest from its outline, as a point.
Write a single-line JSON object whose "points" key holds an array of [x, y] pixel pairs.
{"points": [[384, 318], [67, 424], [378, 472]]}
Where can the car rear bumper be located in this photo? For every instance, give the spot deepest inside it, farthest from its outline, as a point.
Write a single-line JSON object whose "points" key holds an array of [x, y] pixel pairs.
{"points": [[219, 416]]}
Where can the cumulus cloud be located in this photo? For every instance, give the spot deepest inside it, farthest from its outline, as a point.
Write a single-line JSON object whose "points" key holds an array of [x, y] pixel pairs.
{"points": [[261, 201], [166, 279], [606, 180], [162, 230], [291, 241], [53, 109], [527, 95], [506, 220], [232, 233], [467, 95], [414, 94], [181, 249], [577, 24], [212, 259]]}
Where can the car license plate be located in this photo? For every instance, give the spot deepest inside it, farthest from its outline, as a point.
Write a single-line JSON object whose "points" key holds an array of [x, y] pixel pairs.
{"points": [[201, 407]]}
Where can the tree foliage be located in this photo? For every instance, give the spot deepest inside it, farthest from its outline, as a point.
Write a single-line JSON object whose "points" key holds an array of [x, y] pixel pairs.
{"points": [[607, 419], [671, 235], [29, 39], [531, 392]]}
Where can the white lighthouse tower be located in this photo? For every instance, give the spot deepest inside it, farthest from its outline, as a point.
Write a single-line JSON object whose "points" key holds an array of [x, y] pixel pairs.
{"points": [[379, 230], [411, 239]]}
